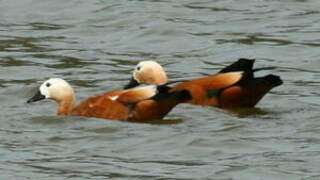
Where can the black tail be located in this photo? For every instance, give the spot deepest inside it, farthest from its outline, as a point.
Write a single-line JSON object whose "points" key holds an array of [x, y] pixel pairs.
{"points": [[242, 64], [246, 65], [263, 84], [269, 80]]}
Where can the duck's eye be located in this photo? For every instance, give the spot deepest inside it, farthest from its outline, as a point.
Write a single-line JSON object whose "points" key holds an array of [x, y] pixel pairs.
{"points": [[138, 68], [48, 84]]}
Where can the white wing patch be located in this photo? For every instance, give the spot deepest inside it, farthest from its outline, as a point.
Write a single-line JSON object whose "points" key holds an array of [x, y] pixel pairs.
{"points": [[113, 98]]}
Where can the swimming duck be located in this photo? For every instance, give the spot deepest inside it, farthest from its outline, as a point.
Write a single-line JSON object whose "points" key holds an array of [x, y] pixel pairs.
{"points": [[136, 104], [233, 87]]}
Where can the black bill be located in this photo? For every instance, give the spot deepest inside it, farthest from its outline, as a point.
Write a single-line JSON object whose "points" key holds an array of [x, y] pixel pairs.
{"points": [[37, 97], [133, 83]]}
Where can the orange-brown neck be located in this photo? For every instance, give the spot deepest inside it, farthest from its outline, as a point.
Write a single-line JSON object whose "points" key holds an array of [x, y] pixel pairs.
{"points": [[66, 106]]}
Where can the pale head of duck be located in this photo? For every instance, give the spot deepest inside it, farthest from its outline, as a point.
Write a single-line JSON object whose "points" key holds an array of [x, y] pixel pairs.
{"points": [[58, 90], [147, 72]]}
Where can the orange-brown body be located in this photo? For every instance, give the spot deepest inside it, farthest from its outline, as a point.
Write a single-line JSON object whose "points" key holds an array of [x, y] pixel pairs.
{"points": [[124, 108]]}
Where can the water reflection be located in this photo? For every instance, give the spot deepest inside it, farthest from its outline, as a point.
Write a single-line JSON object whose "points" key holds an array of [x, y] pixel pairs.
{"points": [[257, 39], [247, 112]]}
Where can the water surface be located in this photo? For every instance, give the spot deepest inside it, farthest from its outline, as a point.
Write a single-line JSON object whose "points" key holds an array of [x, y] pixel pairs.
{"points": [[95, 44]]}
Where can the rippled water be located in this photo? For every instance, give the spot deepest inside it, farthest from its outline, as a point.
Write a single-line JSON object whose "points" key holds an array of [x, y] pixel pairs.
{"points": [[95, 44]]}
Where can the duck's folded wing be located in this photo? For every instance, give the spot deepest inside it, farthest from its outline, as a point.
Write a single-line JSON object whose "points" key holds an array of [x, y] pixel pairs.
{"points": [[222, 80], [134, 95], [218, 81]]}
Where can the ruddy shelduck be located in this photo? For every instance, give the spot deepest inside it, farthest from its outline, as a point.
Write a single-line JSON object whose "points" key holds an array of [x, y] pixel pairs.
{"points": [[137, 104], [233, 87]]}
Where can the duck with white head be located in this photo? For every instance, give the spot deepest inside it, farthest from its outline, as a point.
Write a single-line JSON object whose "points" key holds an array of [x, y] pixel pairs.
{"points": [[136, 104]]}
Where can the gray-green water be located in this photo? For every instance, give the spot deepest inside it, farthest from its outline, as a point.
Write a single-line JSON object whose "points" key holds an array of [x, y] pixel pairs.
{"points": [[95, 44]]}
